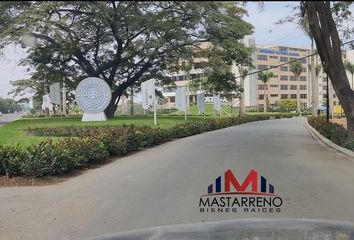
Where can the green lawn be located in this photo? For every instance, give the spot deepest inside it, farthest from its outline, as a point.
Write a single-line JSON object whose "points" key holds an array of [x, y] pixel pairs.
{"points": [[14, 132]]}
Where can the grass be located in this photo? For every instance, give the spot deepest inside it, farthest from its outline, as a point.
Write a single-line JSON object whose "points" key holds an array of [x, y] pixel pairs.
{"points": [[14, 132]]}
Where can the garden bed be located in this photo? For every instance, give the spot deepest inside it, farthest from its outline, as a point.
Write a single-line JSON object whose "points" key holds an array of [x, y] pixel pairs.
{"points": [[334, 132]]}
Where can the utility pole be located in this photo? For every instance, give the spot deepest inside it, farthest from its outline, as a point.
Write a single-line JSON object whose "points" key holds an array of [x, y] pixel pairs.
{"points": [[327, 100]]}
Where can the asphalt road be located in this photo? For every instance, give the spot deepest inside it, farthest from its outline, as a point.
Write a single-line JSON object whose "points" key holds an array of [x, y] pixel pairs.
{"points": [[9, 117], [162, 185]]}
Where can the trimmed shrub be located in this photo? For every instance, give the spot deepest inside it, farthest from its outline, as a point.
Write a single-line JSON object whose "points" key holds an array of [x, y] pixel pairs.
{"points": [[12, 160], [333, 131]]}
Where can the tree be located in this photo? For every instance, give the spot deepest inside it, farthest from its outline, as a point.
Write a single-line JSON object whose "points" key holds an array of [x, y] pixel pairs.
{"points": [[124, 43], [8, 105], [304, 24], [350, 68], [264, 77], [296, 68], [243, 72], [328, 43]]}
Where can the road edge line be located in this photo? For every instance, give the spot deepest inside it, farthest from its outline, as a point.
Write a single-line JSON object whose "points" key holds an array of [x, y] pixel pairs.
{"points": [[325, 141]]}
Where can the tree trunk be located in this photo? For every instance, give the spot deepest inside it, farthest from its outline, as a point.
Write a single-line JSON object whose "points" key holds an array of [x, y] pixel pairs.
{"points": [[242, 98], [132, 101], [298, 95], [265, 99], [314, 84], [111, 109], [328, 45]]}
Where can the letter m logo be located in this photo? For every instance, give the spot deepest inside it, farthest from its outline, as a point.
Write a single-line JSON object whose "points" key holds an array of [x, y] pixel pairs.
{"points": [[251, 179]]}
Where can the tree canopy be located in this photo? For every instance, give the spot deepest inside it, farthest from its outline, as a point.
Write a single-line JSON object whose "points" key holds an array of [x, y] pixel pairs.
{"points": [[122, 42]]}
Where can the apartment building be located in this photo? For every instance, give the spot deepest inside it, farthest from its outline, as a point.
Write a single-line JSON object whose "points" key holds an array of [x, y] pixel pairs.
{"points": [[181, 78], [283, 85]]}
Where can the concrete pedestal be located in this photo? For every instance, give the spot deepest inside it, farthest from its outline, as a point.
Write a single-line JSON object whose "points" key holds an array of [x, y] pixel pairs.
{"points": [[91, 117]]}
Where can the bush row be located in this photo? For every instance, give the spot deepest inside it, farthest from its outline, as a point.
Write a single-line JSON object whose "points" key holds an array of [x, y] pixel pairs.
{"points": [[332, 131], [94, 145], [87, 131]]}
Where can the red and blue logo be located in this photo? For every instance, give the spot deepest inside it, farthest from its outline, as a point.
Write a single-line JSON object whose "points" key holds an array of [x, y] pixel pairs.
{"points": [[253, 184]]}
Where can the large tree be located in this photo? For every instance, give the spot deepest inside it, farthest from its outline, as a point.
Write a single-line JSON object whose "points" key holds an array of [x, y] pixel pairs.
{"points": [[121, 42], [324, 30]]}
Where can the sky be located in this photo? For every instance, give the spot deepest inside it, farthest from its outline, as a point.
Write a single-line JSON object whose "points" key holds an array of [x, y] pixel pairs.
{"points": [[266, 32]]}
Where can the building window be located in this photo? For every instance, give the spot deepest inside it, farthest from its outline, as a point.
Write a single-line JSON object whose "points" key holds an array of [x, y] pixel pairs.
{"points": [[283, 49], [261, 96], [262, 87], [302, 78], [275, 76], [324, 87], [274, 85], [284, 68], [284, 96], [262, 57], [292, 96], [292, 78], [274, 95], [283, 87], [273, 57], [262, 67], [283, 59], [303, 87], [324, 96], [324, 79], [303, 96], [293, 87], [283, 78]]}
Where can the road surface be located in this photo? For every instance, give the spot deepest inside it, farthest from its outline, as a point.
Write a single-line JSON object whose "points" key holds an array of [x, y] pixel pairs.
{"points": [[162, 185], [9, 117]]}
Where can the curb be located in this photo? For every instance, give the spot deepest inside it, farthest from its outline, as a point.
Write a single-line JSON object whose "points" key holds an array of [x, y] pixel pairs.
{"points": [[325, 142]]}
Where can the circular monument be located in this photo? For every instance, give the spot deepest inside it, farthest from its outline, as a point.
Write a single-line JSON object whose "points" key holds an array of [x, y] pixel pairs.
{"points": [[93, 96]]}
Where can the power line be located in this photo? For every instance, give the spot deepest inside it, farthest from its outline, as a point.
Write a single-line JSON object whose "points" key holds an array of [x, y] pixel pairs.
{"points": [[295, 60], [282, 38]]}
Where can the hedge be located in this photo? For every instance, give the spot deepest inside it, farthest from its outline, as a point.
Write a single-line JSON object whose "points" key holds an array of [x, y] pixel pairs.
{"points": [[84, 146], [332, 131]]}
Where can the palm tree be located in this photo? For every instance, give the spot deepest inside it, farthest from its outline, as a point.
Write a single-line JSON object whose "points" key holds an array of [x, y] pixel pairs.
{"points": [[296, 68], [243, 72], [264, 77], [304, 25], [350, 68]]}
